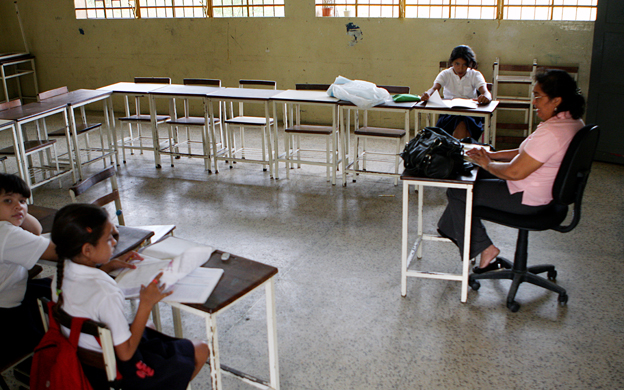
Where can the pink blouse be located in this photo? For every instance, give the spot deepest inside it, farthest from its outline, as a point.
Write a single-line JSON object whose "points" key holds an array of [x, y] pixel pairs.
{"points": [[548, 145]]}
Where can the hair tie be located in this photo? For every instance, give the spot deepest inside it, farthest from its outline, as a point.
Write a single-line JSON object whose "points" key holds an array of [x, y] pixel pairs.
{"points": [[59, 292], [88, 229]]}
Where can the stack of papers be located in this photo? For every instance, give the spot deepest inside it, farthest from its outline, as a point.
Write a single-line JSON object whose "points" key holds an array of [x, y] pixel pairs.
{"points": [[180, 261]]}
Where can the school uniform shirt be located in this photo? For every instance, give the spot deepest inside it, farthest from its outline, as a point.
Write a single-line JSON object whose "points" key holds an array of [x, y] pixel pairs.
{"points": [[19, 251], [465, 88], [91, 293], [548, 145]]}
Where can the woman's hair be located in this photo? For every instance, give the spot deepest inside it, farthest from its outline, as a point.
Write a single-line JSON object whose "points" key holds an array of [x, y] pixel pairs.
{"points": [[75, 225], [466, 53], [13, 184], [558, 83]]}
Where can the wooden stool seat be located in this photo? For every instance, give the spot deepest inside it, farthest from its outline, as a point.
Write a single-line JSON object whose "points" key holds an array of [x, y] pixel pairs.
{"points": [[29, 146], [80, 129], [144, 118], [380, 132], [309, 129]]}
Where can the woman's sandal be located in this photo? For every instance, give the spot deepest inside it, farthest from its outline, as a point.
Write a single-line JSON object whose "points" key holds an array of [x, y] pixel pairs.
{"points": [[493, 266]]}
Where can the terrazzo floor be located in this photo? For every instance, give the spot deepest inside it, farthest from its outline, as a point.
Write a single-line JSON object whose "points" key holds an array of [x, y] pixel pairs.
{"points": [[341, 320]]}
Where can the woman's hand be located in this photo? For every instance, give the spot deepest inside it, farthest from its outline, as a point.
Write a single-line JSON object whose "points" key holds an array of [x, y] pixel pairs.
{"points": [[153, 292], [122, 262], [480, 156]]}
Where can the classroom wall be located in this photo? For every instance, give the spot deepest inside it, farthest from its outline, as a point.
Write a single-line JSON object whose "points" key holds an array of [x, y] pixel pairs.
{"points": [[297, 48]]}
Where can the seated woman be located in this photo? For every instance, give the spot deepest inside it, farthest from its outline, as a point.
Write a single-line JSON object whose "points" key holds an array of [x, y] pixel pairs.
{"points": [[519, 180]]}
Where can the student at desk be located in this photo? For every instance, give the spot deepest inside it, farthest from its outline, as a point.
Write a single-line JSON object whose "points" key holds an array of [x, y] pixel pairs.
{"points": [[461, 80], [519, 180], [20, 247], [146, 359]]}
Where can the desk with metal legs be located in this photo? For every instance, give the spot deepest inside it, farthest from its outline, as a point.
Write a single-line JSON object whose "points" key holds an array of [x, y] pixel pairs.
{"points": [[77, 99], [483, 111], [32, 112], [191, 92], [134, 89], [241, 277], [303, 97], [463, 182], [250, 95]]}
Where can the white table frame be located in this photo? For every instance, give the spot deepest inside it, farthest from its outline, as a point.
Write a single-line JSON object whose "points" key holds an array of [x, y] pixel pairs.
{"points": [[213, 341], [416, 249]]}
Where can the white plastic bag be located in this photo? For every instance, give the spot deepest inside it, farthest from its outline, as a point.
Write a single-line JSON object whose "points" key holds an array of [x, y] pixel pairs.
{"points": [[363, 94]]}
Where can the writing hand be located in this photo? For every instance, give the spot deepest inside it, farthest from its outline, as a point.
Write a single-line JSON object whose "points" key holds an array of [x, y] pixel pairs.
{"points": [[424, 97]]}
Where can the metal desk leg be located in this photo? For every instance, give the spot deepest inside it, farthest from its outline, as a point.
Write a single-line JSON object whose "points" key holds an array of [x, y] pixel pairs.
{"points": [[404, 238], [272, 334], [213, 345], [212, 132], [274, 147], [466, 257], [269, 141], [155, 139], [177, 322]]}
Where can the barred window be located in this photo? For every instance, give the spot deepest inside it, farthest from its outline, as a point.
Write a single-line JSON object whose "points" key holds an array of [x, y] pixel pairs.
{"points": [[550, 10], [247, 8]]}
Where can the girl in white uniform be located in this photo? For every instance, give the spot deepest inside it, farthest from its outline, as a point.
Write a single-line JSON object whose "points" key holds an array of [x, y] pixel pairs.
{"points": [[146, 359], [461, 80]]}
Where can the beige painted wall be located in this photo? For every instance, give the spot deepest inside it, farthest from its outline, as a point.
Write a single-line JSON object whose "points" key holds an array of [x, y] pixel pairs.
{"points": [[294, 49]]}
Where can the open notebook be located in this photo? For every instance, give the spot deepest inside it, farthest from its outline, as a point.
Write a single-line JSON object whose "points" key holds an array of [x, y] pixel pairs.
{"points": [[436, 101], [180, 261]]}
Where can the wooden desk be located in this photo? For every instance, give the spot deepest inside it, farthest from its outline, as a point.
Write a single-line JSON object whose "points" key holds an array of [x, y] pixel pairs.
{"points": [[292, 97], [482, 111], [406, 107], [241, 276], [29, 113], [129, 238], [464, 182], [192, 92], [80, 98], [253, 96], [132, 89]]}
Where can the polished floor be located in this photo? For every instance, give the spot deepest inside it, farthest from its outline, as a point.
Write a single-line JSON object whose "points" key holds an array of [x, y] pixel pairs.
{"points": [[342, 323]]}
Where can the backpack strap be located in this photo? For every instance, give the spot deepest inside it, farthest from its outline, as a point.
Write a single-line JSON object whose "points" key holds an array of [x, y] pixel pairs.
{"points": [[76, 325]]}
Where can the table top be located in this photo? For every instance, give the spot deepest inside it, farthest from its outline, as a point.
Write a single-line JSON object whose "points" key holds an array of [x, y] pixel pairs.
{"points": [[129, 238], [140, 88], [31, 110], [304, 96], [185, 90], [244, 93], [481, 109], [78, 96], [240, 276], [384, 106], [459, 179]]}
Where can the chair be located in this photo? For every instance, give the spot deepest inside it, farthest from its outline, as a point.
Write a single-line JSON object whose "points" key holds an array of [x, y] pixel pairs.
{"points": [[47, 162], [82, 186], [293, 130], [103, 361], [82, 128], [187, 121], [522, 78], [567, 189], [364, 133], [140, 119], [241, 121]]}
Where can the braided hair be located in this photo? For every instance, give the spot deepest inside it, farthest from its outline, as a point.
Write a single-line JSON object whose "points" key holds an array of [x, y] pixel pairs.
{"points": [[75, 225], [558, 83]]}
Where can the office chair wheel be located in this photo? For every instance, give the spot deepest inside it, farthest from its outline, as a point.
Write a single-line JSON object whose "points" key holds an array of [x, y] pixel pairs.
{"points": [[563, 299], [513, 306], [474, 284], [552, 275]]}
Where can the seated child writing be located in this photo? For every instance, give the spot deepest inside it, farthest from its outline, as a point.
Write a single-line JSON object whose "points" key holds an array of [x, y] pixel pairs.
{"points": [[461, 80], [146, 359]]}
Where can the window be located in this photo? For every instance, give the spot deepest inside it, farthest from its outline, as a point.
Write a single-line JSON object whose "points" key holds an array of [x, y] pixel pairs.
{"points": [[130, 9], [462, 9]]}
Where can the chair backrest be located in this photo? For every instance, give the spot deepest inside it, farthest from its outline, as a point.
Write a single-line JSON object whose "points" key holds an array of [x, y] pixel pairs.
{"points": [[52, 93], [82, 186], [104, 360], [152, 80], [574, 171], [395, 89], [203, 82], [257, 83], [571, 70], [312, 87], [10, 104]]}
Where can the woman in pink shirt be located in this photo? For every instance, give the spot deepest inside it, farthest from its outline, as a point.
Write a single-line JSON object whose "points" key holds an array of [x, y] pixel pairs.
{"points": [[519, 180]]}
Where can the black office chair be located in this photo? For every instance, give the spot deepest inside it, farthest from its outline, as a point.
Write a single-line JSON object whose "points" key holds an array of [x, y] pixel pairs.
{"points": [[567, 189]]}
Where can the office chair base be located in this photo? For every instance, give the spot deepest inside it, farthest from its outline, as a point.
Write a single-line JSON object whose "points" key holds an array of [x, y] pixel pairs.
{"points": [[518, 276]]}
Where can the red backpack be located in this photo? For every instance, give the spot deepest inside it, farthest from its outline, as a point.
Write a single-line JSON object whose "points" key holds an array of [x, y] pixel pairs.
{"points": [[55, 363]]}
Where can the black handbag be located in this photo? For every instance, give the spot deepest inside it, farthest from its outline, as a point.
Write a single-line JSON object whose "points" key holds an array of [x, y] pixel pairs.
{"points": [[434, 153]]}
